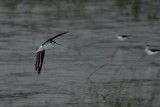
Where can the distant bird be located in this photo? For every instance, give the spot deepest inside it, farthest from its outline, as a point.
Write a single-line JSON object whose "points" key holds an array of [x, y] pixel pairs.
{"points": [[151, 51], [148, 51], [41, 51], [122, 37]]}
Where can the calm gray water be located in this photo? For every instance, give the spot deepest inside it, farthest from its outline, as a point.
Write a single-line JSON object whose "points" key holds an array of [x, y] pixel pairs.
{"points": [[91, 68]]}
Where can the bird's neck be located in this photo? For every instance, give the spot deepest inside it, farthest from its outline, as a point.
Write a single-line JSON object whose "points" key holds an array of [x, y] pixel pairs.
{"points": [[146, 48]]}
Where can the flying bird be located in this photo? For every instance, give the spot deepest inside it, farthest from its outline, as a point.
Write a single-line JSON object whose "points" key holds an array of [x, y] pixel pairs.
{"points": [[41, 51]]}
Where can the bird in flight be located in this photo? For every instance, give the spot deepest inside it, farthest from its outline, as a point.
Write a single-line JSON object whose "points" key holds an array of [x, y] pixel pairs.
{"points": [[41, 51]]}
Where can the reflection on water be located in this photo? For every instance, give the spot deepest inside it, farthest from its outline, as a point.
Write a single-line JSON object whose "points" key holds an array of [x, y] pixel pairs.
{"points": [[91, 68]]}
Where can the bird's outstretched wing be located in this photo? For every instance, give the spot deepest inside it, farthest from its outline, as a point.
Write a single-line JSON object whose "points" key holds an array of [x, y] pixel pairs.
{"points": [[39, 61], [54, 37]]}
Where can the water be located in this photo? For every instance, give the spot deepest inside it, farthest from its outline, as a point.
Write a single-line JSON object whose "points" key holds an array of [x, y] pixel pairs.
{"points": [[121, 76]]}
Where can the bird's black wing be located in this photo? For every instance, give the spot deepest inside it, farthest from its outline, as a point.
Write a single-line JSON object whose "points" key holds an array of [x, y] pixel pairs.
{"points": [[39, 61], [155, 50], [54, 37], [126, 36]]}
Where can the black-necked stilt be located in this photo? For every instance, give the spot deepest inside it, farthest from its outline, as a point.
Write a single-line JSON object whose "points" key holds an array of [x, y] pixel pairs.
{"points": [[151, 51], [148, 51], [121, 37], [41, 51]]}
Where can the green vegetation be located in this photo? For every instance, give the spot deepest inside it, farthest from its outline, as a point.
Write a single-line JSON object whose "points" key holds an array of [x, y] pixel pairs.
{"points": [[79, 6], [114, 96], [150, 101], [134, 7]]}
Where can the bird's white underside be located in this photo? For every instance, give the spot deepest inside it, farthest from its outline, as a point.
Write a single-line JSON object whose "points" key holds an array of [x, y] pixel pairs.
{"points": [[44, 47], [149, 52], [121, 38]]}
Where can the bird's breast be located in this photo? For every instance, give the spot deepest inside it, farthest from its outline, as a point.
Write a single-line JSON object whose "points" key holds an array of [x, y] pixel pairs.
{"points": [[40, 49], [121, 38], [47, 46], [149, 52]]}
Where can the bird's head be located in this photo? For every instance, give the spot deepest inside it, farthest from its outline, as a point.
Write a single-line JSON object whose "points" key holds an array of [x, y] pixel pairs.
{"points": [[147, 46]]}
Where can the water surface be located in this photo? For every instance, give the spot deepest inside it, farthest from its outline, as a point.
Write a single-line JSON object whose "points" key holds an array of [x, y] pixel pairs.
{"points": [[122, 76]]}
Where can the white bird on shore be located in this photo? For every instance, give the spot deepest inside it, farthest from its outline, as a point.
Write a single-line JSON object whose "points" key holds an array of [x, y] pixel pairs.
{"points": [[151, 51], [122, 37]]}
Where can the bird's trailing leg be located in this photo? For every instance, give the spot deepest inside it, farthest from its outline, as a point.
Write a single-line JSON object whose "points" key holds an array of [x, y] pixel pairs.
{"points": [[39, 61]]}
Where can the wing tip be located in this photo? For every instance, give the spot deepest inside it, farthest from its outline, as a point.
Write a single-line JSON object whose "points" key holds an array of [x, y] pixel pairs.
{"points": [[63, 33]]}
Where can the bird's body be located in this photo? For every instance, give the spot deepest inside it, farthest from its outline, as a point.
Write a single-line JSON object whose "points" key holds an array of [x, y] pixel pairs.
{"points": [[151, 51], [48, 45], [122, 37], [41, 51], [45, 47]]}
